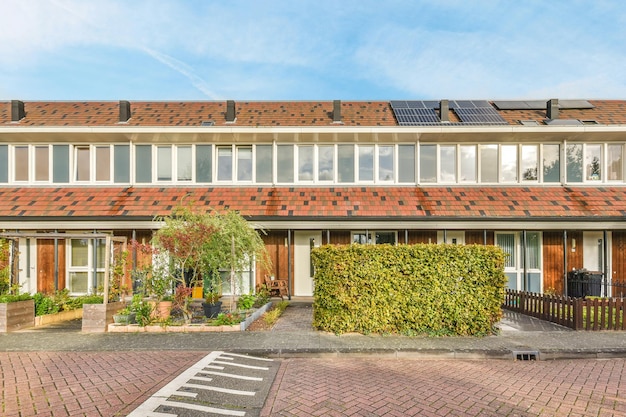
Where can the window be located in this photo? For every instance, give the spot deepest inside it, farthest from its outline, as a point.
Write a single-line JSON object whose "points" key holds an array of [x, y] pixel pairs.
{"points": [[385, 163], [593, 162], [244, 163], [42, 163], [381, 237], [164, 163], [326, 163], [488, 163], [224, 163], [508, 163], [4, 163], [121, 167], [203, 163], [366, 163], [345, 163], [406, 163], [468, 163], [82, 166], [529, 162], [574, 155], [264, 163], [86, 258], [103, 163], [143, 163], [305, 163], [551, 163], [285, 163], [447, 163], [184, 166], [428, 163], [614, 164], [21, 163]]}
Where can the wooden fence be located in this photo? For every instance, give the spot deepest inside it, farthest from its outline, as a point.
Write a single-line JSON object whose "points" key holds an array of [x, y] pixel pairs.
{"points": [[575, 313]]}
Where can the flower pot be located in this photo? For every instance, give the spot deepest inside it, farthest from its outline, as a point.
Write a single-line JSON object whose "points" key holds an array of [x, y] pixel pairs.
{"points": [[212, 310], [163, 309], [124, 318]]}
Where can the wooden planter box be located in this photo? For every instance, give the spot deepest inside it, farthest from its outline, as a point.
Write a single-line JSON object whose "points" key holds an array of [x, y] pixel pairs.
{"points": [[17, 315], [97, 317], [58, 317]]}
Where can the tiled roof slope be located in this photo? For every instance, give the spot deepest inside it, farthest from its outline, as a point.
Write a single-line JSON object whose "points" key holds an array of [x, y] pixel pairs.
{"points": [[260, 113], [331, 202]]}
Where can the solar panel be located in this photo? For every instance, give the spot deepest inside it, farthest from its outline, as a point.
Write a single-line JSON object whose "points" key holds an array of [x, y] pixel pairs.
{"points": [[480, 115], [416, 117], [541, 104]]}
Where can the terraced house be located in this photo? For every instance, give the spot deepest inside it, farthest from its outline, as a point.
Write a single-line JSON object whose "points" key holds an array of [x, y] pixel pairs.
{"points": [[542, 179]]}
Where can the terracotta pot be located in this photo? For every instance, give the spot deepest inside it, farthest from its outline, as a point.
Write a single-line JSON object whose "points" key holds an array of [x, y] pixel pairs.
{"points": [[163, 309]]}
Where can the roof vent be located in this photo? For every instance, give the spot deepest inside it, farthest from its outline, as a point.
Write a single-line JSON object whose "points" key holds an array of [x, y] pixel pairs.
{"points": [[336, 111], [124, 111], [17, 110], [444, 108], [207, 123], [552, 111], [230, 111]]}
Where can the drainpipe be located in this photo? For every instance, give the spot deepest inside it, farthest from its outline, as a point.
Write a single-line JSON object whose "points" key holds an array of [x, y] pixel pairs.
{"points": [[289, 274], [328, 236], [485, 237], [524, 269], [134, 238], [56, 262], [94, 272], [565, 261], [406, 236], [445, 236], [605, 255]]}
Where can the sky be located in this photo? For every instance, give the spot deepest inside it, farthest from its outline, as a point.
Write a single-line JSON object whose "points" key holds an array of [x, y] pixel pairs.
{"points": [[312, 50]]}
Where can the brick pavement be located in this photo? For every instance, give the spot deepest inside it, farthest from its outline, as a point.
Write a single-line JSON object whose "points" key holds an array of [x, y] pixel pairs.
{"points": [[84, 383], [396, 387]]}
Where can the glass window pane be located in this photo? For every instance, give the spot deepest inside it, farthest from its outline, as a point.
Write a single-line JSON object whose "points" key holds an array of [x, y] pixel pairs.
{"points": [[385, 237], [42, 163], [533, 249], [305, 163], [551, 163], [428, 163], [508, 163], [204, 153], [366, 163], [264, 163], [60, 163], [447, 163], [224, 163], [574, 163], [385, 163], [615, 169], [506, 241], [143, 163], [345, 163], [326, 162], [21, 163], [164, 163], [529, 162], [406, 163], [489, 163], [183, 163], [79, 252], [100, 252], [82, 163], [121, 163], [244, 163], [468, 163], [103, 163], [4, 163], [362, 238], [78, 282], [593, 162], [285, 163]]}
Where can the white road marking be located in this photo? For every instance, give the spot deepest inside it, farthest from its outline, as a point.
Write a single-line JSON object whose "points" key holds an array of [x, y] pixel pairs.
{"points": [[240, 365], [197, 407], [218, 389], [224, 355], [247, 378]]}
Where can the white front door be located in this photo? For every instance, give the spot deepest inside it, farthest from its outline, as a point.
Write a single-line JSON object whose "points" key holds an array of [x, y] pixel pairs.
{"points": [[28, 265], [593, 251], [303, 268]]}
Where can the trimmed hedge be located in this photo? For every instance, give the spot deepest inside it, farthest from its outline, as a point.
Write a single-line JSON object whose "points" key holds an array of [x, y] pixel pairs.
{"points": [[408, 289]]}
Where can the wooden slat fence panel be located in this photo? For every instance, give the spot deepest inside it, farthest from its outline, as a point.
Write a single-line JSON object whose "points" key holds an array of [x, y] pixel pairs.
{"points": [[593, 314]]}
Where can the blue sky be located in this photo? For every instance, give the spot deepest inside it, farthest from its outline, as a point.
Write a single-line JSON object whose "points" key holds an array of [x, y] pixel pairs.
{"points": [[311, 50]]}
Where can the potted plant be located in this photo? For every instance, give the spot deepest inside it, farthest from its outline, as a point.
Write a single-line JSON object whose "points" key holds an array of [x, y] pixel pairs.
{"points": [[212, 304], [124, 316]]}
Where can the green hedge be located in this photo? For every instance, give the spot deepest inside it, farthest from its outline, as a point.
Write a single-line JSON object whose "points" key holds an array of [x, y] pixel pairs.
{"points": [[408, 289]]}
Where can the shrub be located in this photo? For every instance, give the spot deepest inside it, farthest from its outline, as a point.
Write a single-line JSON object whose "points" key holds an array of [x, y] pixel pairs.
{"points": [[246, 301], [12, 298], [434, 289], [45, 305]]}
